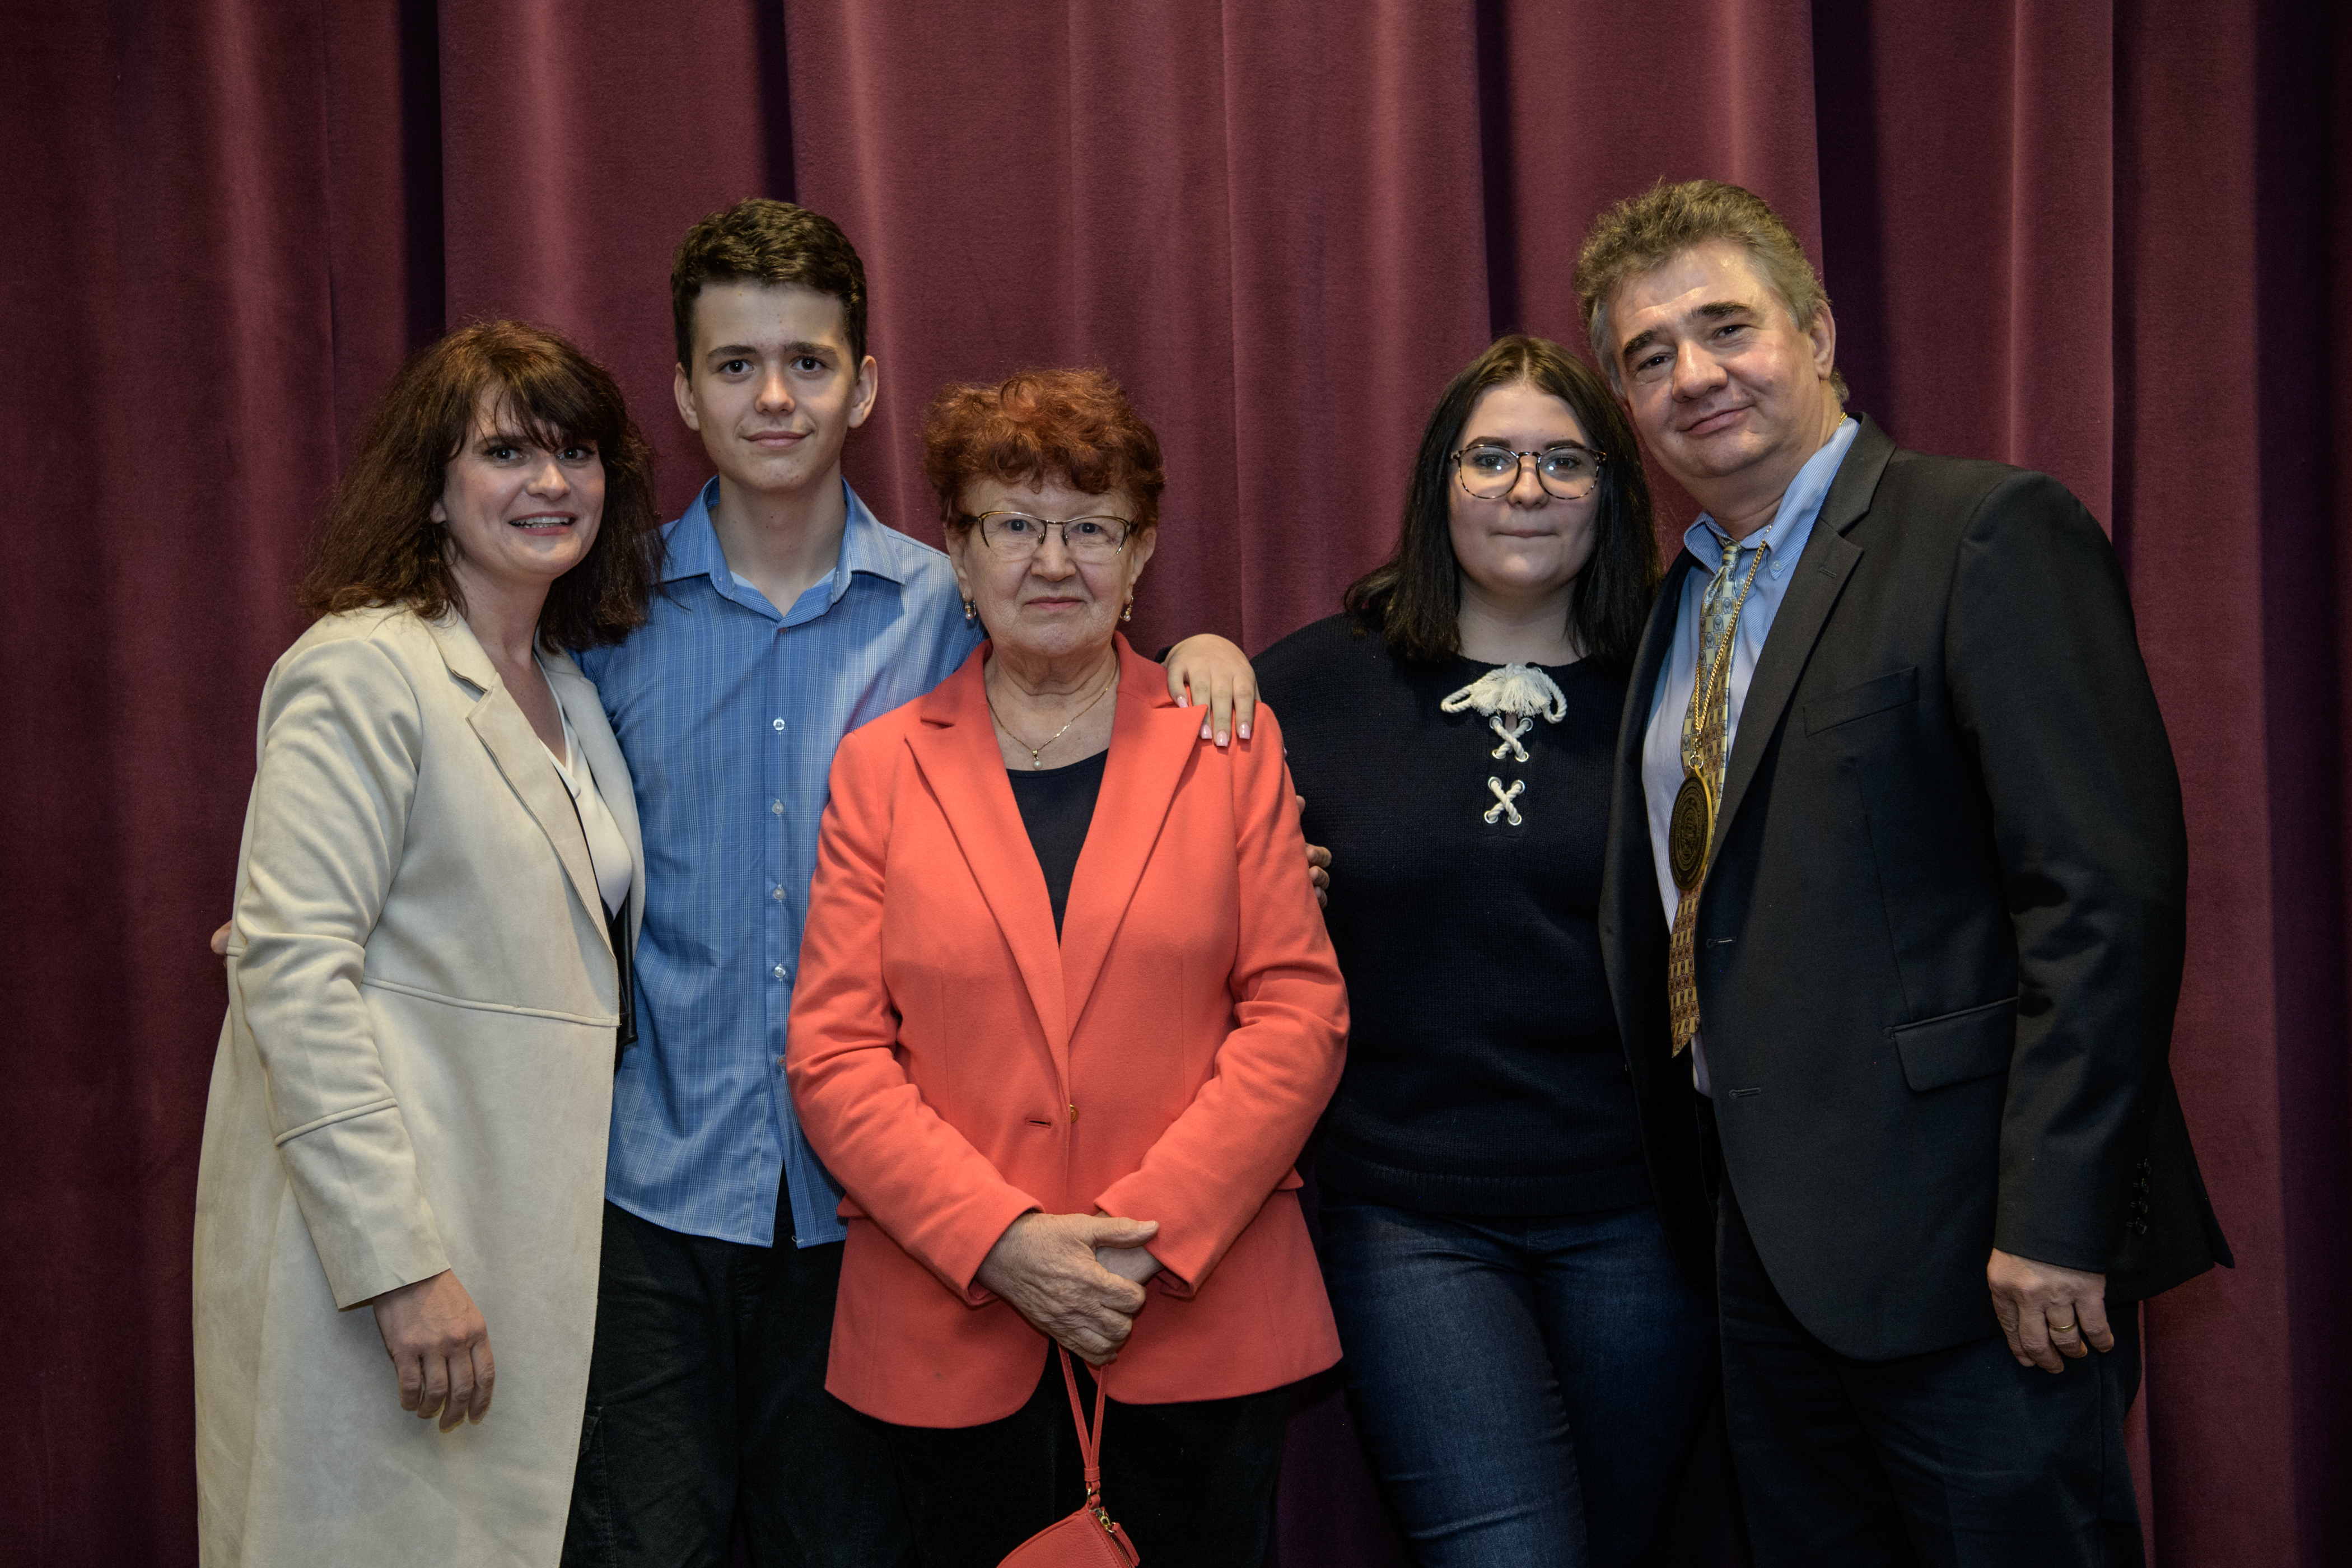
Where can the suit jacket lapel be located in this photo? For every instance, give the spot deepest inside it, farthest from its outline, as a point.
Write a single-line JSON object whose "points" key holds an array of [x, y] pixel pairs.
{"points": [[602, 754], [1147, 761], [499, 724], [956, 748], [1821, 574]]}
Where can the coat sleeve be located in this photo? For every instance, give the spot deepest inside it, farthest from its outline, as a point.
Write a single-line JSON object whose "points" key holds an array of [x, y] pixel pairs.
{"points": [[904, 1166], [1209, 1173], [2048, 685], [341, 738]]}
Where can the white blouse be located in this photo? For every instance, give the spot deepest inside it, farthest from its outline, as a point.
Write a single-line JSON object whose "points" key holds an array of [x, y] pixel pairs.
{"points": [[608, 852]]}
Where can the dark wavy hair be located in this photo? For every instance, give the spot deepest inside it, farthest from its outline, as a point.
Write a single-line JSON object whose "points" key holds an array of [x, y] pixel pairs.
{"points": [[379, 544], [1413, 599], [1075, 426]]}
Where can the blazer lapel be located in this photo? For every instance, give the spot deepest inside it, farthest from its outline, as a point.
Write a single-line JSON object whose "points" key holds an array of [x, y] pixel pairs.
{"points": [[956, 748], [1146, 764], [498, 723], [1822, 571], [602, 754]]}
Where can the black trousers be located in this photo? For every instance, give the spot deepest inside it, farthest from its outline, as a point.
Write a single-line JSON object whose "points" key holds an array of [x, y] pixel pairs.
{"points": [[1954, 1459], [705, 1391], [1192, 1484]]}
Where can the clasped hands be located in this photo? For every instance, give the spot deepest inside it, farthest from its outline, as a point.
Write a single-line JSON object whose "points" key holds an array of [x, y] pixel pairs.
{"points": [[1077, 1277], [2047, 1312]]}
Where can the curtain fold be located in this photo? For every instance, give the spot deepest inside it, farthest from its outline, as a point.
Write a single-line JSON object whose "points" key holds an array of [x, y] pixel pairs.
{"points": [[2101, 237]]}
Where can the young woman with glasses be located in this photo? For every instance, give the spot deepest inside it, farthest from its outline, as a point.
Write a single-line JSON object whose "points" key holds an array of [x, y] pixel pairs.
{"points": [[1526, 1364]]}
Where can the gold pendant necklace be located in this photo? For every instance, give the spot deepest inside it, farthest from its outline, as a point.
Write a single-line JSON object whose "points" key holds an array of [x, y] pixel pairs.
{"points": [[1037, 751]]}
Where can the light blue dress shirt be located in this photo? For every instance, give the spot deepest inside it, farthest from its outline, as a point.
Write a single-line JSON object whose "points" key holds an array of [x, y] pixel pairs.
{"points": [[1783, 541], [728, 713]]}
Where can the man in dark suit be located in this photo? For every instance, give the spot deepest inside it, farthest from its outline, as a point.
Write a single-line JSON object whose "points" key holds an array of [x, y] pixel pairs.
{"points": [[1894, 918]]}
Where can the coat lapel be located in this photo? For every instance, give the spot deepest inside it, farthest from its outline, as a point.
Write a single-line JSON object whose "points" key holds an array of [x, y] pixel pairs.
{"points": [[1822, 571], [956, 748], [1147, 762], [498, 723], [602, 754]]}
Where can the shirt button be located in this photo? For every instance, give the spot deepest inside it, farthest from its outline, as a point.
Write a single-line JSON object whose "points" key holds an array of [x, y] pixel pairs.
{"points": [[780, 971], [777, 807], [780, 724], [778, 895]]}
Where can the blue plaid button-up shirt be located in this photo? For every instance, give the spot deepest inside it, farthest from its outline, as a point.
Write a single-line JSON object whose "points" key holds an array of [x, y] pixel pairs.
{"points": [[728, 713]]}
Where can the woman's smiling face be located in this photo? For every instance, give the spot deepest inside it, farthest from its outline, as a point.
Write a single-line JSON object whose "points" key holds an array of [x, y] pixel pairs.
{"points": [[519, 512]]}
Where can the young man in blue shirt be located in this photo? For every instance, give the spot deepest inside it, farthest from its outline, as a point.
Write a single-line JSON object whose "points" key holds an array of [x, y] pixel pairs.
{"points": [[788, 616]]}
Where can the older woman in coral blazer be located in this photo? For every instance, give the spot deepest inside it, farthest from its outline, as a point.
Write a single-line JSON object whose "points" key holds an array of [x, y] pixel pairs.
{"points": [[1065, 1014]]}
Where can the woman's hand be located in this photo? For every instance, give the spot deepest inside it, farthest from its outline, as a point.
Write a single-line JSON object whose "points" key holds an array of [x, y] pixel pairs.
{"points": [[1207, 672], [440, 1348], [1127, 1259], [220, 939], [1044, 1265]]}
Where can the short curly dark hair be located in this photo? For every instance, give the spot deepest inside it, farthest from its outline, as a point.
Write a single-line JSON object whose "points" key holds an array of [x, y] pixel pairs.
{"points": [[379, 544], [762, 240], [1073, 426]]}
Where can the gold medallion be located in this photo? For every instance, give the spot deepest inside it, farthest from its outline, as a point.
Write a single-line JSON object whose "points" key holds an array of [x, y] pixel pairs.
{"points": [[1688, 834]]}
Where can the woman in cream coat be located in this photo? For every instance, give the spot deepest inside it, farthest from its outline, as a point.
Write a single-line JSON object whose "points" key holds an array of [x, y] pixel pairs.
{"points": [[427, 980]]}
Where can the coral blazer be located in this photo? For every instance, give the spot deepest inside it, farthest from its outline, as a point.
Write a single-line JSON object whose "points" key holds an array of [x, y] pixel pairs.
{"points": [[956, 1066]]}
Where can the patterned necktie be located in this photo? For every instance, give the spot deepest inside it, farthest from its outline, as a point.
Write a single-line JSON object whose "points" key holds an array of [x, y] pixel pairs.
{"points": [[1703, 757]]}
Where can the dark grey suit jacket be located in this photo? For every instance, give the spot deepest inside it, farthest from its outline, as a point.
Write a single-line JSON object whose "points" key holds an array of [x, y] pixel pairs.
{"points": [[1942, 935]]}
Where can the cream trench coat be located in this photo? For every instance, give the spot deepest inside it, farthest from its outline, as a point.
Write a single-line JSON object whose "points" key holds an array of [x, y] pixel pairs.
{"points": [[415, 1074]]}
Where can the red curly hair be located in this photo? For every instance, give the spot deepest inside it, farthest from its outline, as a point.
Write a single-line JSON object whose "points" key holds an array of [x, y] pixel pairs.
{"points": [[1073, 426]]}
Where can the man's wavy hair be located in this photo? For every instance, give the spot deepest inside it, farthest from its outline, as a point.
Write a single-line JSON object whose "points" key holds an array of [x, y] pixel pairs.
{"points": [[379, 544], [1643, 233], [1413, 599], [762, 240], [1076, 426]]}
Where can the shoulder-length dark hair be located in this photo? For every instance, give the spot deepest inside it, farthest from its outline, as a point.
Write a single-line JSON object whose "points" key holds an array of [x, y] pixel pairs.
{"points": [[379, 544], [1413, 599]]}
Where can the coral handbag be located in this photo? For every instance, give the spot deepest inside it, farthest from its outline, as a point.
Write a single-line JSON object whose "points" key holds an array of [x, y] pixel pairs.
{"points": [[1088, 1538]]}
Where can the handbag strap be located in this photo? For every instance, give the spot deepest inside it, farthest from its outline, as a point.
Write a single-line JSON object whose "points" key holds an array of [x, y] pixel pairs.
{"points": [[1089, 1442]]}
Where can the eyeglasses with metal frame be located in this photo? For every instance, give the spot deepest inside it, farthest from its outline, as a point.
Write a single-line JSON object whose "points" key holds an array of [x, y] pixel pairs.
{"points": [[1017, 535], [1567, 472]]}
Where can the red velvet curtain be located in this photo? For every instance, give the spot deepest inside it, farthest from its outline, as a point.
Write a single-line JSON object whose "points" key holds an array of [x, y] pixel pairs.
{"points": [[2092, 235]]}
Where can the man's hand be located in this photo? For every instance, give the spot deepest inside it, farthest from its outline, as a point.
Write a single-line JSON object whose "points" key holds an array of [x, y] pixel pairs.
{"points": [[1044, 1265], [2046, 1311], [220, 939], [1318, 869], [1207, 672], [440, 1348]]}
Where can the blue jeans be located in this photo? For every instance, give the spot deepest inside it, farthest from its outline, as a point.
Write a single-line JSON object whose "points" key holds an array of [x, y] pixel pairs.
{"points": [[1528, 1389]]}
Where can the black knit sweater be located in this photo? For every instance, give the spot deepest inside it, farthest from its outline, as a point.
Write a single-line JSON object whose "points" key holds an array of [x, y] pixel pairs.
{"points": [[1484, 1071]]}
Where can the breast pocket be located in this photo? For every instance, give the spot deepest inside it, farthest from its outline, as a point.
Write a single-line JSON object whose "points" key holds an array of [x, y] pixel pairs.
{"points": [[1873, 696]]}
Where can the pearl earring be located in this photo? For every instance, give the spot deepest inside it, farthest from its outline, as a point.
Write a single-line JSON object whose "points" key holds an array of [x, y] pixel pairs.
{"points": [[1127, 612], [971, 612]]}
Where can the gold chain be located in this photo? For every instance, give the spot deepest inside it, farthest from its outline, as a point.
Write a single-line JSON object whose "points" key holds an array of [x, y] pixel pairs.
{"points": [[1038, 753]]}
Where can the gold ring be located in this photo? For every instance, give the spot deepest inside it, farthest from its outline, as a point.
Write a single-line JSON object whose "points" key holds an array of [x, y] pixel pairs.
{"points": [[2061, 1327]]}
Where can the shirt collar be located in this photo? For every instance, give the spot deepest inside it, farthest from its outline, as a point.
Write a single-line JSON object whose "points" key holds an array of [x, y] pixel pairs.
{"points": [[694, 550], [1790, 526]]}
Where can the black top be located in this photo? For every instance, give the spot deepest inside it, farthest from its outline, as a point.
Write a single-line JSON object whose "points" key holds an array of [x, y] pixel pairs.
{"points": [[1484, 1071], [1057, 806]]}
